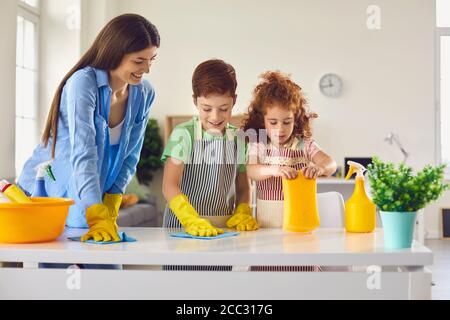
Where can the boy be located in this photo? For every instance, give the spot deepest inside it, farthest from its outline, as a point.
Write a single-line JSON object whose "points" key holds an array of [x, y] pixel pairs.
{"points": [[203, 183]]}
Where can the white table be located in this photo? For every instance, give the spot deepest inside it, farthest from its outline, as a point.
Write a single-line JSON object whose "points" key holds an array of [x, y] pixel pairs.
{"points": [[374, 272]]}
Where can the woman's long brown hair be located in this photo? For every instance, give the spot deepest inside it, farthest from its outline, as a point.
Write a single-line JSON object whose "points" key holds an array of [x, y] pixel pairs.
{"points": [[124, 34]]}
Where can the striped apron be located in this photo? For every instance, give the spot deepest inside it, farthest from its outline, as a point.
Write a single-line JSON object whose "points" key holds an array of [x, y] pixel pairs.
{"points": [[209, 183], [270, 197]]}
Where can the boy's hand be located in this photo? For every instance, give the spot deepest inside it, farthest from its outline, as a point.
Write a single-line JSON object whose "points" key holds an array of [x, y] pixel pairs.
{"points": [[242, 219], [201, 228]]}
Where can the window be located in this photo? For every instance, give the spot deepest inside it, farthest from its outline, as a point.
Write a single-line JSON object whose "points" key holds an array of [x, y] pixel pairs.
{"points": [[443, 13], [445, 98], [30, 3], [443, 81], [26, 81]]}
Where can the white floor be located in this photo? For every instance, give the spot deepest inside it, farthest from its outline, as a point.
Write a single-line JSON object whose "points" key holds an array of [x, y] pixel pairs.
{"points": [[440, 268]]}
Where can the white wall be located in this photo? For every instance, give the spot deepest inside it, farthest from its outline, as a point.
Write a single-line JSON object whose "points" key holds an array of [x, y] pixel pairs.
{"points": [[95, 14], [388, 74], [59, 47], [8, 22]]}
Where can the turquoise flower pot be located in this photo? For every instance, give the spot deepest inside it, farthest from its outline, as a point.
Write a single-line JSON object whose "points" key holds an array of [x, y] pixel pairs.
{"points": [[398, 229]]}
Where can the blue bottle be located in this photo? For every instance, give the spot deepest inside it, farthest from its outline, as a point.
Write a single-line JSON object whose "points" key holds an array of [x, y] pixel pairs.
{"points": [[39, 185]]}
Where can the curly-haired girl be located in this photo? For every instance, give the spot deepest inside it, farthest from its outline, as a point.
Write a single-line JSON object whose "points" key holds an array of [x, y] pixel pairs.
{"points": [[279, 114]]}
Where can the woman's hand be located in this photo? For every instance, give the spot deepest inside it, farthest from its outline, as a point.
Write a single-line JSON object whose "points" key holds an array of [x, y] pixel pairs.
{"points": [[285, 172], [312, 171], [102, 227]]}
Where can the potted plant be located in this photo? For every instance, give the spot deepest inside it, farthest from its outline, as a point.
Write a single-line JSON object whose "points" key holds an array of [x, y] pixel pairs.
{"points": [[150, 158], [399, 194]]}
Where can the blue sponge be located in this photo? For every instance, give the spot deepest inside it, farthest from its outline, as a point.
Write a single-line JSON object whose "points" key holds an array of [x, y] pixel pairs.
{"points": [[189, 236], [122, 235]]}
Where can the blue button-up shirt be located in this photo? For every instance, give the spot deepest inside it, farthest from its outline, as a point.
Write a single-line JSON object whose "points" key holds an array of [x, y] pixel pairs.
{"points": [[82, 165]]}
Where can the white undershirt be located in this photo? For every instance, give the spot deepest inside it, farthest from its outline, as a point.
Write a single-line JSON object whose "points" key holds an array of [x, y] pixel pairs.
{"points": [[114, 133]]}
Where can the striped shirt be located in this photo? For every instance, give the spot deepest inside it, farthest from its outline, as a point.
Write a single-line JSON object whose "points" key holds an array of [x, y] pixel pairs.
{"points": [[297, 155]]}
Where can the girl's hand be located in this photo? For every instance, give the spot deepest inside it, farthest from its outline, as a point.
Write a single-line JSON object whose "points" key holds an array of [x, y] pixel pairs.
{"points": [[312, 171], [285, 172]]}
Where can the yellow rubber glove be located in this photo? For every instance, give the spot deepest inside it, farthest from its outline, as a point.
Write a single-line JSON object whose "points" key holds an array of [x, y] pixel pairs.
{"points": [[113, 202], [101, 224], [242, 219], [190, 219]]}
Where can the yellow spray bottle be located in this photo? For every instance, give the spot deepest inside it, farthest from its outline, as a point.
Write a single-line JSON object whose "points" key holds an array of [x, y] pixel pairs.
{"points": [[360, 211]]}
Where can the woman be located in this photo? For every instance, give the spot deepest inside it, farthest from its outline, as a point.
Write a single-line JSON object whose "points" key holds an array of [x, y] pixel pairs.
{"points": [[96, 125]]}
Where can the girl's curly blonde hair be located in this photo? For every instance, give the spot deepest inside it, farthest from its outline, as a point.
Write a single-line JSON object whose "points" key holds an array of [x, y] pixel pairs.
{"points": [[277, 87]]}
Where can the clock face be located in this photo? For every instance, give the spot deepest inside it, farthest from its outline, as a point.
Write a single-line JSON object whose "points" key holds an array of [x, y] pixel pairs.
{"points": [[330, 85]]}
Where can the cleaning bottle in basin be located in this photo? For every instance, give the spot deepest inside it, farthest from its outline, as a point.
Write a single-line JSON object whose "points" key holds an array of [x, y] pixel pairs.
{"points": [[13, 192], [300, 204], [360, 211], [43, 169], [4, 199]]}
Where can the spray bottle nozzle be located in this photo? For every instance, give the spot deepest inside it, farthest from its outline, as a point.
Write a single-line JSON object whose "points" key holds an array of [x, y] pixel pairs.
{"points": [[45, 168], [355, 167], [50, 172]]}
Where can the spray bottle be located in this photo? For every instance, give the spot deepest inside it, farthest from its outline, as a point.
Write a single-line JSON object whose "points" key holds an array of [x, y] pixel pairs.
{"points": [[13, 192], [360, 211], [43, 169]]}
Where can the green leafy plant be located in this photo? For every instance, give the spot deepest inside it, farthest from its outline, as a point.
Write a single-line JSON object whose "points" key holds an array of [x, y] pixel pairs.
{"points": [[150, 160], [398, 189]]}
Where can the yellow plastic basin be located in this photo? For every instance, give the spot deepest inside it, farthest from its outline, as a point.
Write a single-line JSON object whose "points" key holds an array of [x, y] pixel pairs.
{"points": [[41, 220]]}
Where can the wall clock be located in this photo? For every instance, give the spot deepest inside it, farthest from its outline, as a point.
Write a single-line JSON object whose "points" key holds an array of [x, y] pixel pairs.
{"points": [[330, 85]]}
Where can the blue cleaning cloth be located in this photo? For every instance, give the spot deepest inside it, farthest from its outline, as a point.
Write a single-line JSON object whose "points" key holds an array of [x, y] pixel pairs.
{"points": [[122, 235], [189, 236]]}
